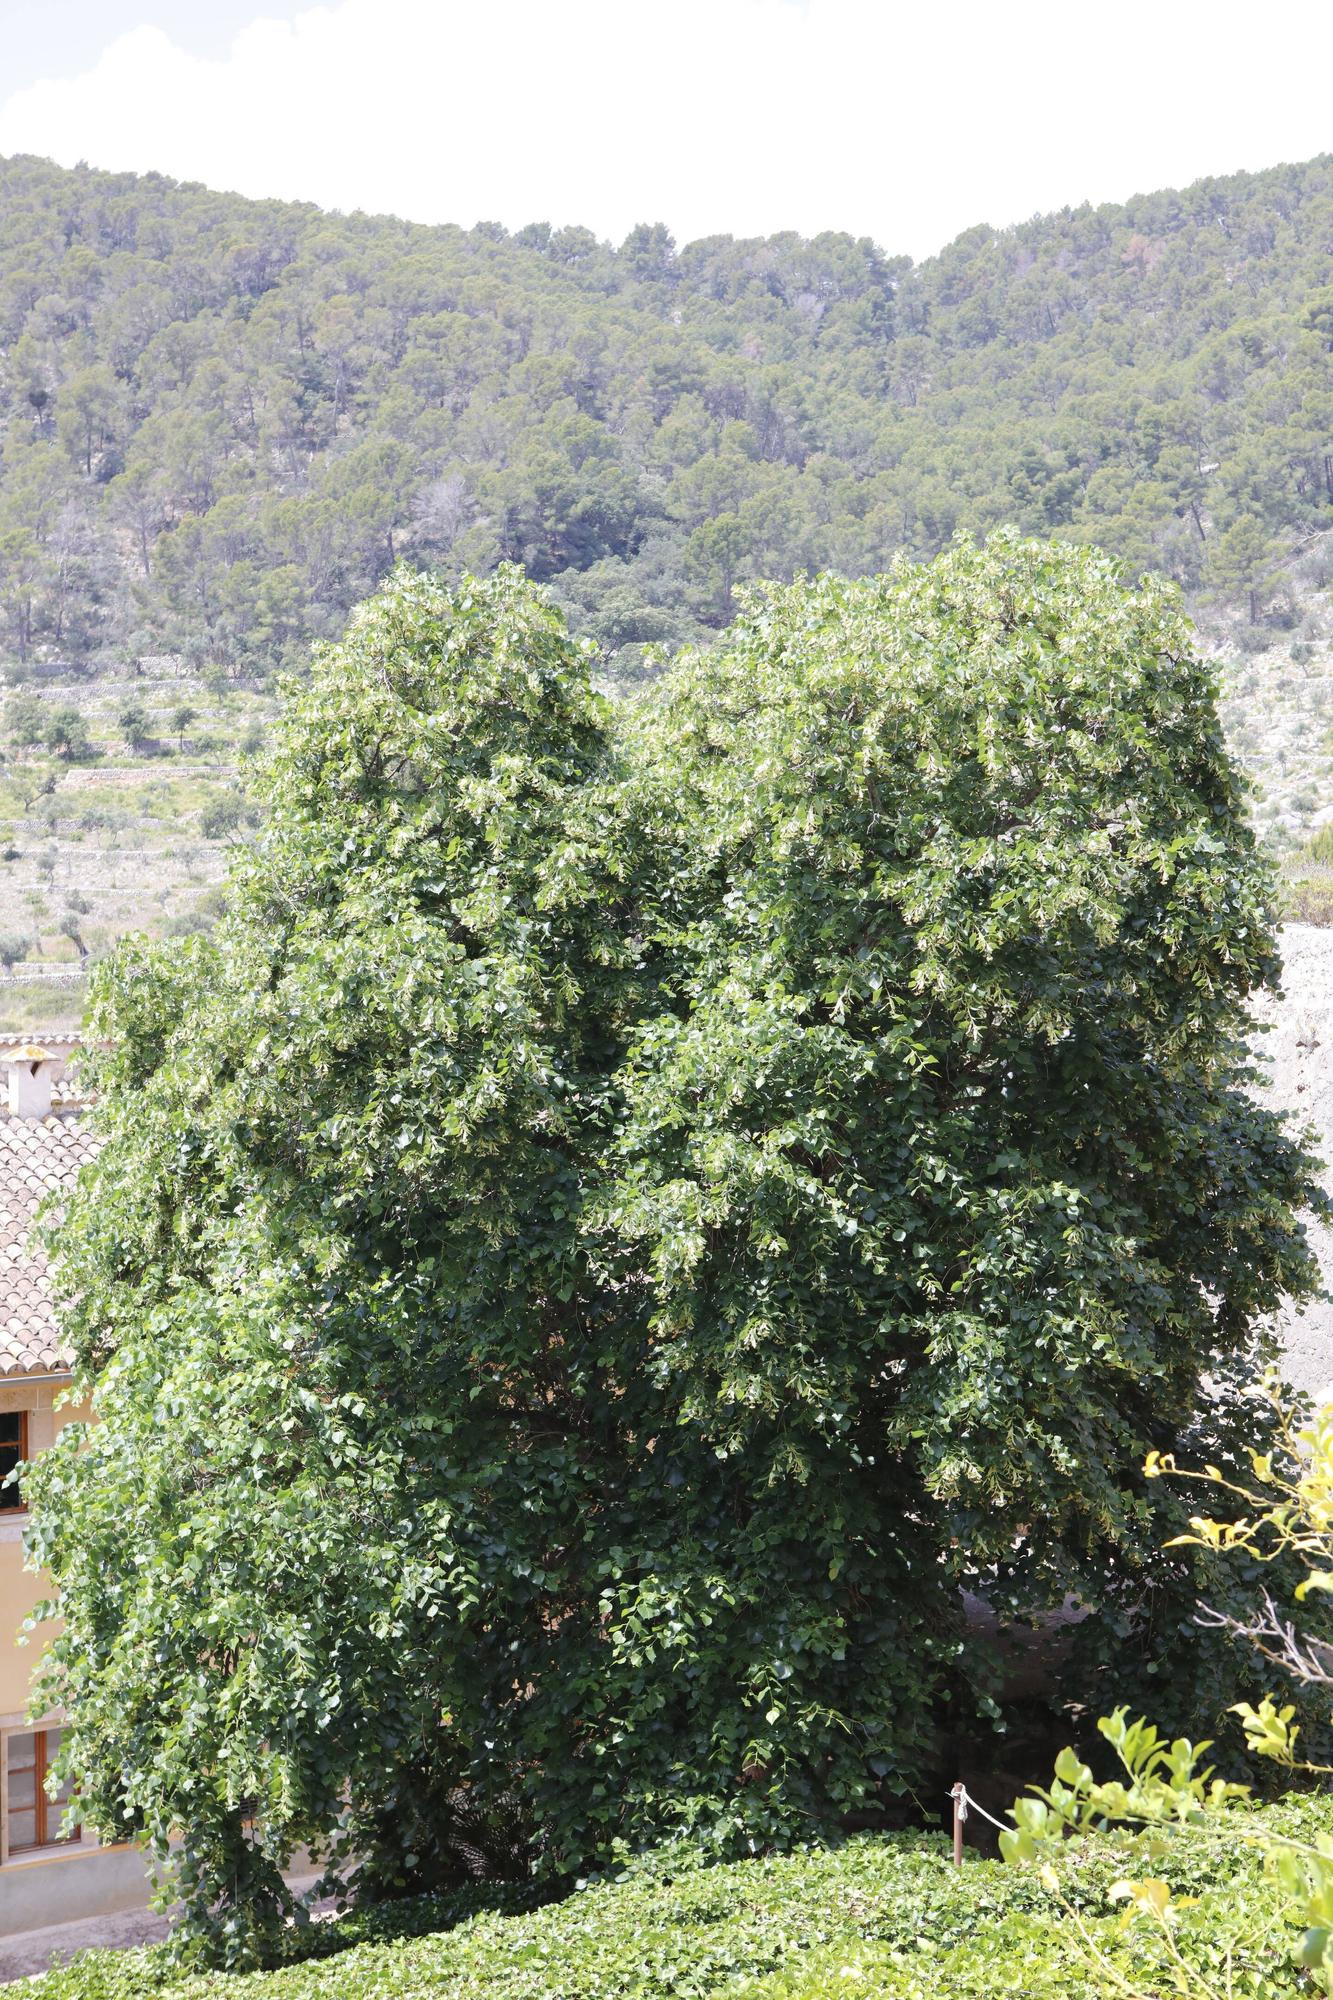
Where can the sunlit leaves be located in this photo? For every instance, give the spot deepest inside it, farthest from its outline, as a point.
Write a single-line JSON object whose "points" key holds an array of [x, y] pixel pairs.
{"points": [[633, 1210]]}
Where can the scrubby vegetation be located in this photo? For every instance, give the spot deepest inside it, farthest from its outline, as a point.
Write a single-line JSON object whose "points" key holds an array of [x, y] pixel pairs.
{"points": [[1277, 710], [107, 828], [1280, 1506], [1308, 879], [223, 420], [878, 1919]]}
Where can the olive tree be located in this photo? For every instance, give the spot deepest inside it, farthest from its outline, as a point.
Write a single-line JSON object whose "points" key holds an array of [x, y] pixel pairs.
{"points": [[633, 1210]]}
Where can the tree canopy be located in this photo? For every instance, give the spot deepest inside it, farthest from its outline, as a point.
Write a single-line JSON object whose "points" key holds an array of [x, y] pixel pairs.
{"points": [[221, 421], [636, 1208]]}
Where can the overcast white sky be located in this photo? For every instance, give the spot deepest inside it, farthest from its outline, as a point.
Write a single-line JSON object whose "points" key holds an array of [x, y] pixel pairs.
{"points": [[905, 122]]}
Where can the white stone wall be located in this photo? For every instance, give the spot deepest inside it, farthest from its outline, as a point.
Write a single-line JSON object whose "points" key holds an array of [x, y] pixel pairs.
{"points": [[1299, 1048]]}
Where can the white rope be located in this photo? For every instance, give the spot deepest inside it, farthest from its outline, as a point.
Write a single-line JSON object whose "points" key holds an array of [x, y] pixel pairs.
{"points": [[966, 1803]]}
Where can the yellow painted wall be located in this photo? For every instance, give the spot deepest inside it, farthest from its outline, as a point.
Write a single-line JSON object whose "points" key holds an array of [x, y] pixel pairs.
{"points": [[21, 1588]]}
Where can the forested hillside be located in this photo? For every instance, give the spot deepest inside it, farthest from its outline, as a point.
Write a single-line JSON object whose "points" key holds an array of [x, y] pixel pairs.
{"points": [[224, 419]]}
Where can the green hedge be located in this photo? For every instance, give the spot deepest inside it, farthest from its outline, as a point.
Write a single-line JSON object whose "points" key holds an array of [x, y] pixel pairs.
{"points": [[885, 1917]]}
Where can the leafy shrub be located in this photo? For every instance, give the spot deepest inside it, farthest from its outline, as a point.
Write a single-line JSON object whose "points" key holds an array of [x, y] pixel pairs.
{"points": [[1307, 880], [1318, 849], [134, 724], [1193, 1823], [1280, 1511], [25, 719], [226, 815], [66, 734], [878, 1919]]}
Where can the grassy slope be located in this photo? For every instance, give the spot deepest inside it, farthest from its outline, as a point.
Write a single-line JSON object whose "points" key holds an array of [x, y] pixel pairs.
{"points": [[884, 1916]]}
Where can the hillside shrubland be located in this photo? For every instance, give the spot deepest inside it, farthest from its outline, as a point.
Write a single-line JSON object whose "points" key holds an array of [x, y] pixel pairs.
{"points": [[119, 799], [223, 420]]}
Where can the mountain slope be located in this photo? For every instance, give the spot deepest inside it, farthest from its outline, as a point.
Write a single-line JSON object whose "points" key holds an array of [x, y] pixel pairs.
{"points": [[222, 420]]}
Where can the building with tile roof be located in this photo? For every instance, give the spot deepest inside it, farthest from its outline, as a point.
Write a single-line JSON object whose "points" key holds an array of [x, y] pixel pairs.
{"points": [[45, 1877], [41, 1150]]}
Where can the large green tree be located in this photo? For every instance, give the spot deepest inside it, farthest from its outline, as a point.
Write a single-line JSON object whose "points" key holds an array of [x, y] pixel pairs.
{"points": [[633, 1211]]}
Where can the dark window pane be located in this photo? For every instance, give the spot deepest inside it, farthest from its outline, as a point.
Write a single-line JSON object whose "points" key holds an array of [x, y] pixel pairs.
{"points": [[11, 1453]]}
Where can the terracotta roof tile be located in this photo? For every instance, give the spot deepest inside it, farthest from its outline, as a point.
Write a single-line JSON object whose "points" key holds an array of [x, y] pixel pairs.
{"points": [[36, 1156]]}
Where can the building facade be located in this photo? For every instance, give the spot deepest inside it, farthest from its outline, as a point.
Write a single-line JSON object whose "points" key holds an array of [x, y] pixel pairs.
{"points": [[47, 1875]]}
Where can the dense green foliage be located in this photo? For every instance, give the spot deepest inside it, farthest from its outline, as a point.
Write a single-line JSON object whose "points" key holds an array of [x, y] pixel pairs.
{"points": [[1187, 1814], [634, 1209], [1283, 1507], [884, 1919], [222, 419]]}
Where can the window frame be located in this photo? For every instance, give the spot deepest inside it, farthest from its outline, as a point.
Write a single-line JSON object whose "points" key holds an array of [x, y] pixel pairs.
{"points": [[8, 1510], [47, 1812]]}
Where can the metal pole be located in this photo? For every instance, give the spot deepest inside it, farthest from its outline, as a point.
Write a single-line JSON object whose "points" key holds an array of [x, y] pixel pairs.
{"points": [[959, 1797]]}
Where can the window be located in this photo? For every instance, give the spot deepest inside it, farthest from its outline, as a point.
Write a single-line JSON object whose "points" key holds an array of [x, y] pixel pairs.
{"points": [[13, 1450], [34, 1820]]}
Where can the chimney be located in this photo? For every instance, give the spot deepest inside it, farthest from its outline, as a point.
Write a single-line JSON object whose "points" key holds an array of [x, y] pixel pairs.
{"points": [[30, 1072]]}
